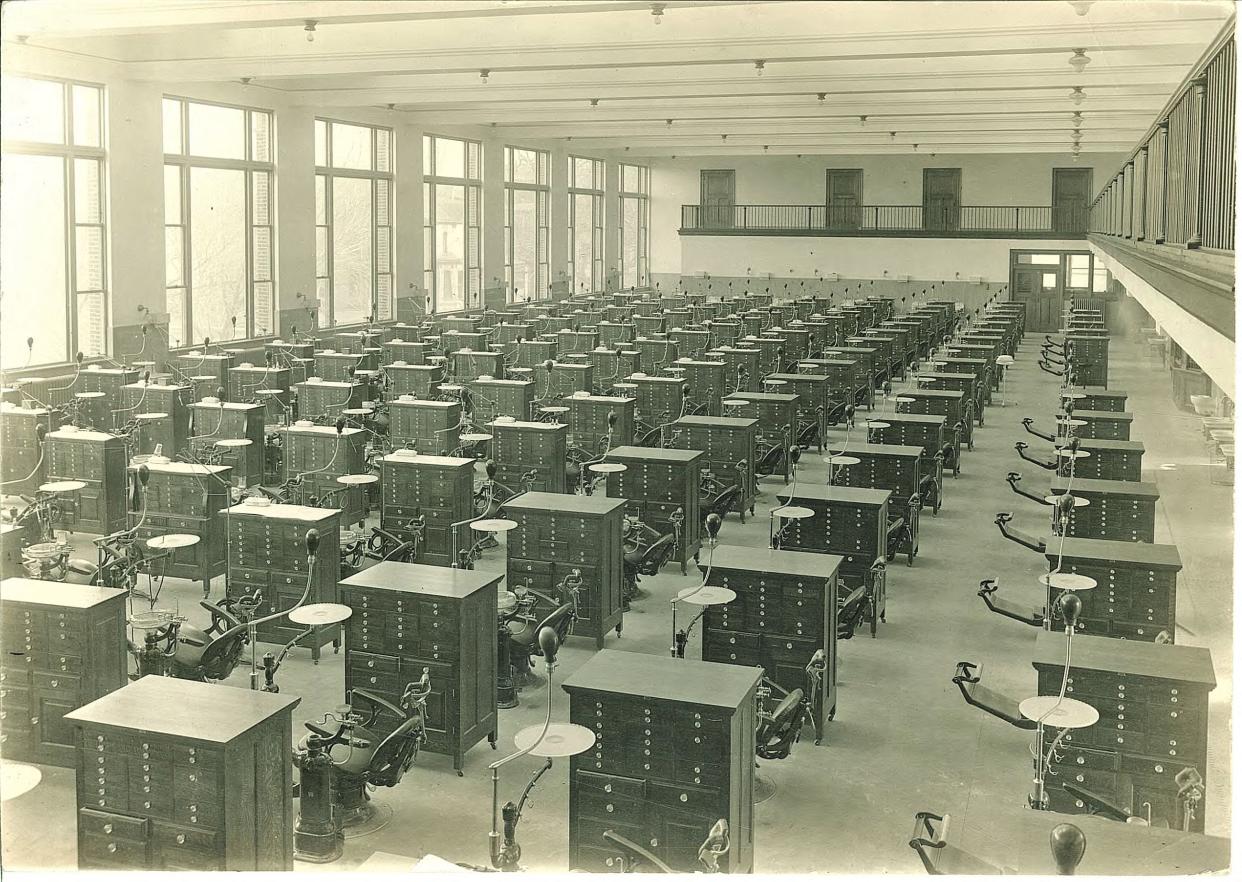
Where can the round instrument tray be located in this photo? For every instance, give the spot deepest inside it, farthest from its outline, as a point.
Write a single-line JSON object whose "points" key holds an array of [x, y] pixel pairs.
{"points": [[62, 486], [878, 424], [606, 468], [153, 619], [1054, 498], [792, 512], [357, 411], [839, 459], [150, 416], [493, 525], [1059, 713], [173, 541], [17, 779], [320, 614], [474, 437], [1067, 581], [234, 442], [357, 480], [1066, 453], [561, 739], [707, 595]]}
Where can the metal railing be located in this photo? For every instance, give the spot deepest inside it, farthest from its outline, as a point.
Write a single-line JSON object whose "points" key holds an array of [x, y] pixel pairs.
{"points": [[1177, 187], [886, 220]]}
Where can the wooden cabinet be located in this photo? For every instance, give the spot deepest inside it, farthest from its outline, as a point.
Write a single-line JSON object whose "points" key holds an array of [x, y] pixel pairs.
{"points": [[215, 420], [320, 455], [419, 380], [588, 422], [182, 497], [1098, 398], [496, 398], [1135, 597], [660, 484], [22, 467], [785, 611], [558, 533], [423, 425], [849, 521], [64, 646], [1153, 706], [327, 399], [1120, 510], [1113, 425], [268, 555], [674, 752], [440, 489], [150, 398], [519, 447], [728, 446], [98, 459], [207, 786], [409, 618], [1106, 460]]}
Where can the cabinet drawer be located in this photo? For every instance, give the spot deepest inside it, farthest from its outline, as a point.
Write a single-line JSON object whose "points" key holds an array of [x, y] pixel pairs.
{"points": [[367, 663], [699, 800], [185, 848], [109, 824], [608, 785], [110, 852], [62, 685]]}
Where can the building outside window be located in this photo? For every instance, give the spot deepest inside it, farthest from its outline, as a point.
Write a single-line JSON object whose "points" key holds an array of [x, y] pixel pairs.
{"points": [[634, 230], [452, 222], [53, 231], [526, 224], [219, 212], [353, 221], [586, 224]]}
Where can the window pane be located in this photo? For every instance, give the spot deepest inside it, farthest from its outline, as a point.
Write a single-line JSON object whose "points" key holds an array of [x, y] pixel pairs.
{"points": [[582, 174], [86, 127], [450, 158], [217, 252], [92, 323], [1099, 283], [384, 297], [321, 199], [351, 146], [260, 197], [383, 249], [351, 248], [263, 311], [629, 178], [88, 254], [218, 132], [524, 171], [629, 243], [450, 247], [321, 143], [172, 194], [86, 198], [321, 252], [260, 136], [525, 235], [172, 126], [427, 148], [583, 245], [33, 287], [381, 206], [174, 260], [474, 167], [174, 299], [262, 254], [32, 110]]}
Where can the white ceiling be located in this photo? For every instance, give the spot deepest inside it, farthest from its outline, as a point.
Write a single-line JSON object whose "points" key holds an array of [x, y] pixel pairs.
{"points": [[949, 76]]}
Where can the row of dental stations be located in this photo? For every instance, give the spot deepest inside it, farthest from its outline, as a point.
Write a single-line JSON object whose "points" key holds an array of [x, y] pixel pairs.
{"points": [[448, 502]]}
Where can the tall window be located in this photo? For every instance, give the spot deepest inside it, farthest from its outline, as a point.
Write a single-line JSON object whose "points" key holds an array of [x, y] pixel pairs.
{"points": [[353, 221], [526, 224], [452, 221], [586, 224], [53, 239], [635, 238], [220, 266]]}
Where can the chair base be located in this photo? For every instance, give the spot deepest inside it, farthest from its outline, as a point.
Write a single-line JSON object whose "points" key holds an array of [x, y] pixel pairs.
{"points": [[371, 817], [765, 788], [318, 848]]}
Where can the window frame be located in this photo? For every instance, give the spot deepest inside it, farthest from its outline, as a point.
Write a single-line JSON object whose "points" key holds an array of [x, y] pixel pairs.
{"points": [[185, 161], [596, 192], [69, 153], [642, 195], [542, 188], [375, 176], [471, 220]]}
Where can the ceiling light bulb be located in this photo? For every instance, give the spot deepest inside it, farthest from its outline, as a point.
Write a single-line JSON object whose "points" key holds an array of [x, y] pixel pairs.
{"points": [[310, 30], [657, 12], [759, 65], [1077, 96], [1079, 60], [1081, 7], [483, 75]]}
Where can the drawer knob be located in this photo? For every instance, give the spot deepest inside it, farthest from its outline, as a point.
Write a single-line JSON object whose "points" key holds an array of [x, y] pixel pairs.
{"points": [[112, 847], [181, 839], [608, 788], [608, 808], [107, 828]]}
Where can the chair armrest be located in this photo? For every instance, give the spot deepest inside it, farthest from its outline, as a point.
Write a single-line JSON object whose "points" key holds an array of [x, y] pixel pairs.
{"points": [[1097, 803], [377, 704], [969, 683], [637, 850], [1027, 615], [1002, 520]]}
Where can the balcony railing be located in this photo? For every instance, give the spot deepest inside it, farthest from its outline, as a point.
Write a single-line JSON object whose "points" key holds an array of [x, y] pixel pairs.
{"points": [[1177, 187], [965, 221]]}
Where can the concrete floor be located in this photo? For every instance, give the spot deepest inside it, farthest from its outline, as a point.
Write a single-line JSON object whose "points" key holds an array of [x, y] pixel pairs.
{"points": [[902, 741]]}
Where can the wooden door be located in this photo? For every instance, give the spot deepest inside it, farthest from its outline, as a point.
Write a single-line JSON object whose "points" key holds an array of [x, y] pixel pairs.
{"points": [[942, 198], [843, 198], [716, 189], [1071, 199], [1042, 288]]}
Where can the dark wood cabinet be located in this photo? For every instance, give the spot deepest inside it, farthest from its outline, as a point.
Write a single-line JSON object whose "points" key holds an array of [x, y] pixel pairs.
{"points": [[439, 489], [674, 753], [320, 455], [520, 447], [22, 467], [207, 788], [215, 420], [1106, 460], [660, 484], [1153, 703], [98, 459], [64, 646], [424, 425], [410, 618], [182, 497], [728, 446], [558, 533], [1120, 510]]}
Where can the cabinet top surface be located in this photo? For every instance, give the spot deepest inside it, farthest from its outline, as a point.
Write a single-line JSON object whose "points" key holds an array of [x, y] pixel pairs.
{"points": [[928, 418], [319, 431], [156, 387], [412, 578], [184, 709], [570, 503], [823, 493], [1108, 550], [799, 378], [610, 400], [1106, 488], [423, 402], [443, 462], [1109, 444], [1099, 391], [655, 454], [883, 449], [932, 393], [718, 422], [652, 676], [182, 468], [1191, 664], [526, 426], [69, 433], [765, 397], [494, 381], [280, 511], [60, 594], [865, 349], [1120, 415], [326, 384], [766, 560]]}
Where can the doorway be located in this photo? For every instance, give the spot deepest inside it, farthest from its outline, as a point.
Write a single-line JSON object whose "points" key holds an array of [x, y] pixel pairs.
{"points": [[942, 198], [716, 189], [1071, 200], [843, 198], [1038, 280]]}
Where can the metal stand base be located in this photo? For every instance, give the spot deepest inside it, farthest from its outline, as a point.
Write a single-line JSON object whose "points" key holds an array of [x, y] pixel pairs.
{"points": [[317, 848], [373, 818], [765, 788]]}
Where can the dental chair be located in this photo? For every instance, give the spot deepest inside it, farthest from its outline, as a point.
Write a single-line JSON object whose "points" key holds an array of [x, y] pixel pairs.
{"points": [[967, 678], [209, 654]]}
